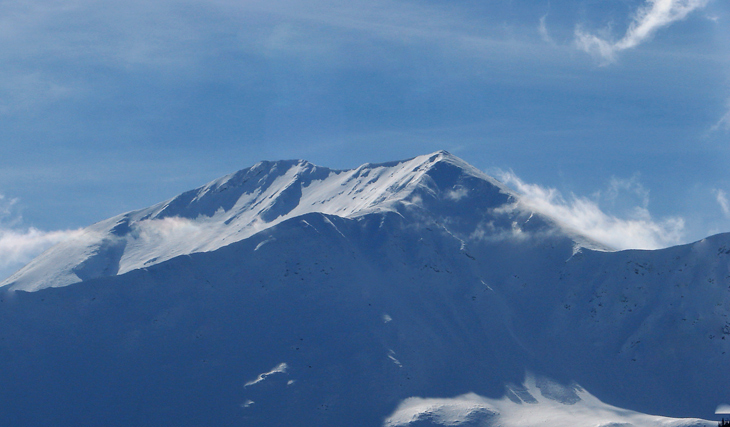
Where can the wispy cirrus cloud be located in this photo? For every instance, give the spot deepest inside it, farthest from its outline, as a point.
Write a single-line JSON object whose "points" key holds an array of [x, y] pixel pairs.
{"points": [[648, 19], [68, 51], [636, 230], [723, 123]]}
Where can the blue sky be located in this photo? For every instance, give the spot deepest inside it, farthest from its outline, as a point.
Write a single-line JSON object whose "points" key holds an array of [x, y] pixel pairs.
{"points": [[614, 111]]}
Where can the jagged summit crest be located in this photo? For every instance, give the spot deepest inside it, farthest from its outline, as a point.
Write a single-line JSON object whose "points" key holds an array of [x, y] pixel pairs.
{"points": [[439, 187]]}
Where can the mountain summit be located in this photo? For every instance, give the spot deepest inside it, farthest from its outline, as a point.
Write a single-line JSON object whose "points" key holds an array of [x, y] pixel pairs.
{"points": [[439, 186], [410, 294]]}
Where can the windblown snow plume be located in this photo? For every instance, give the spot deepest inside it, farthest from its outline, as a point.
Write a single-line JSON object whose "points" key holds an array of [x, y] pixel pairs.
{"points": [[654, 15]]}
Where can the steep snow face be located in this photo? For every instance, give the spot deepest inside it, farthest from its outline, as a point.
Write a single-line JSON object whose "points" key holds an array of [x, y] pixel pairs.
{"points": [[436, 188]]}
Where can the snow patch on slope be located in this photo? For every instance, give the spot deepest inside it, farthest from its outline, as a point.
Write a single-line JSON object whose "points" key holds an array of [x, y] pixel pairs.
{"points": [[278, 369]]}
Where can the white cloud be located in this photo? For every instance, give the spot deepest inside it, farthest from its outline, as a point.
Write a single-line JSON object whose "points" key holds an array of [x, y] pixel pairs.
{"points": [[583, 215], [632, 185], [652, 16], [723, 202], [542, 29], [6, 206], [18, 245], [457, 194], [168, 229]]}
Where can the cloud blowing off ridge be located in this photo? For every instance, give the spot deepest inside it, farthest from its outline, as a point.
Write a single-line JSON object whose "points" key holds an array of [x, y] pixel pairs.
{"points": [[637, 230], [584, 216], [18, 246]]}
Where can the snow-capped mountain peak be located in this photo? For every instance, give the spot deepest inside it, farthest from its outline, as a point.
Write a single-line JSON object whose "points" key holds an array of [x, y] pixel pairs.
{"points": [[246, 202]]}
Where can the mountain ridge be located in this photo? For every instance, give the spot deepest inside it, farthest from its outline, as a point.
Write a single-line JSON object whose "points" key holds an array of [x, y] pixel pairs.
{"points": [[420, 295], [243, 203]]}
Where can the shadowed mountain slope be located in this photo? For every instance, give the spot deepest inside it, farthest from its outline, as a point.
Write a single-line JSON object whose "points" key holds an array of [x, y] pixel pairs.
{"points": [[316, 297]]}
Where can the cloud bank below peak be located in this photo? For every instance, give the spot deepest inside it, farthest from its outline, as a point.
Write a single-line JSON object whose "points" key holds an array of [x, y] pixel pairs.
{"points": [[648, 19]]}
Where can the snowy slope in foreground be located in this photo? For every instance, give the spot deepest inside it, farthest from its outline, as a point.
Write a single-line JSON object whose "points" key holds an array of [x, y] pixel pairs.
{"points": [[540, 402]]}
